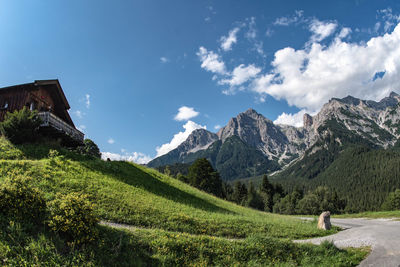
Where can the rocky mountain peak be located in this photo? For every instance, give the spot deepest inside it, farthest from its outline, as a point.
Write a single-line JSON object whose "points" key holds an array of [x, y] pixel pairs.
{"points": [[197, 140], [251, 112], [307, 121], [257, 131], [199, 132], [391, 101], [350, 100], [393, 94]]}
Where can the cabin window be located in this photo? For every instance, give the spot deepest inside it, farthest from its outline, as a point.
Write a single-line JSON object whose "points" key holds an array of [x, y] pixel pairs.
{"points": [[5, 105], [32, 105]]}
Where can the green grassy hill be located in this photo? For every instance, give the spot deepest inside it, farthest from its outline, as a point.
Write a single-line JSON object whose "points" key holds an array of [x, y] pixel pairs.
{"points": [[174, 223]]}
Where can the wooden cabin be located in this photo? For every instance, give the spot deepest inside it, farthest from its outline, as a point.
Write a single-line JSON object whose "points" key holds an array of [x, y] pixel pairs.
{"points": [[48, 98]]}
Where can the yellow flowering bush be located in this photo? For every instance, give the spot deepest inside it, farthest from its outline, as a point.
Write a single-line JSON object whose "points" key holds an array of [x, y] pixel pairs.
{"points": [[21, 201], [72, 216]]}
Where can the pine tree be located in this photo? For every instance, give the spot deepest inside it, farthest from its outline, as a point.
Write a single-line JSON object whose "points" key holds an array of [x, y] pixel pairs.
{"points": [[254, 200], [203, 176], [240, 193], [267, 192]]}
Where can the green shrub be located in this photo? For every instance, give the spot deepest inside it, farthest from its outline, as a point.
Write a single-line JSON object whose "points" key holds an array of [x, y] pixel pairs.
{"points": [[392, 202], [21, 126], [89, 148], [309, 205], [53, 153], [72, 216], [20, 201]]}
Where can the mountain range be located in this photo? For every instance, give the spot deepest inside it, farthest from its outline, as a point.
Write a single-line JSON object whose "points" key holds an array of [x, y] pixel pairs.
{"points": [[250, 144]]}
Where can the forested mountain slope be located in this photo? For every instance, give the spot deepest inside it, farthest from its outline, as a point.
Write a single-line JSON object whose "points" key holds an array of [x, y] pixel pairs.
{"points": [[361, 175]]}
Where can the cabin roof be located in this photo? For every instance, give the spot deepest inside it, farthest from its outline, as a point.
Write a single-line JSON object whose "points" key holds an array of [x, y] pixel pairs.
{"points": [[56, 85], [58, 88]]}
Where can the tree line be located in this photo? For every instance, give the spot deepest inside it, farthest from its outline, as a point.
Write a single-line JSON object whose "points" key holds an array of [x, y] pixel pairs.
{"points": [[271, 197]]}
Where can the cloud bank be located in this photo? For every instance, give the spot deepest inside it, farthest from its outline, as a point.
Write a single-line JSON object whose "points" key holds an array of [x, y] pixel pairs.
{"points": [[185, 113], [328, 65], [136, 157], [308, 78], [241, 74], [295, 120], [178, 138]]}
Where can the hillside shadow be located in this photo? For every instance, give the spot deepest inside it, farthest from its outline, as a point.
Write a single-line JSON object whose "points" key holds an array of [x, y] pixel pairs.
{"points": [[40, 150], [112, 246], [131, 175]]}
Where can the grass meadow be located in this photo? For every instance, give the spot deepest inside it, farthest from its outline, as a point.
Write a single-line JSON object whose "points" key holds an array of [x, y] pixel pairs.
{"points": [[174, 223]]}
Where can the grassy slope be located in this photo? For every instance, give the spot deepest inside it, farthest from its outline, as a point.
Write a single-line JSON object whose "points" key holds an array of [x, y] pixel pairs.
{"points": [[188, 225]]}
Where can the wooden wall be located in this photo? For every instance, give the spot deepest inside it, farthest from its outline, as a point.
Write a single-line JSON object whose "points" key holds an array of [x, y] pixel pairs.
{"points": [[16, 99], [44, 97]]}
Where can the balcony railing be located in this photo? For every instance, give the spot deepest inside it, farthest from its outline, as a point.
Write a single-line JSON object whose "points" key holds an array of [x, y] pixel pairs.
{"points": [[51, 120]]}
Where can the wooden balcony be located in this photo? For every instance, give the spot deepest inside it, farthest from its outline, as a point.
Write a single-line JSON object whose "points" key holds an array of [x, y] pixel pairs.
{"points": [[55, 126]]}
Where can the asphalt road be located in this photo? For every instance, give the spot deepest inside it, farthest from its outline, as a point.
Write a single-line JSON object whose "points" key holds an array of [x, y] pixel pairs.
{"points": [[383, 235]]}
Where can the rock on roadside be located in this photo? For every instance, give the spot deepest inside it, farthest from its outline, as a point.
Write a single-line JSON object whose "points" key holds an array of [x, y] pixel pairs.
{"points": [[324, 221]]}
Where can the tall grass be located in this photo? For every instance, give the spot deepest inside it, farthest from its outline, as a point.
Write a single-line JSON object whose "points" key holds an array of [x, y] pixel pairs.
{"points": [[177, 224]]}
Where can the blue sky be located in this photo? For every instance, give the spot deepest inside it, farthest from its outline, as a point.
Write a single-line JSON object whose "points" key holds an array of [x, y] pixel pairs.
{"points": [[140, 75]]}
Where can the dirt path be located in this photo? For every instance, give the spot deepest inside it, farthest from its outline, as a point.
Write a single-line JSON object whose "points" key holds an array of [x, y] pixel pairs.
{"points": [[119, 225], [132, 228], [383, 235]]}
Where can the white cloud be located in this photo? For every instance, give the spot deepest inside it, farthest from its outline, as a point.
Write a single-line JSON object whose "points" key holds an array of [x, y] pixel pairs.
{"points": [[288, 20], [79, 114], [251, 36], [308, 78], [388, 18], [258, 46], [252, 32], [217, 127], [211, 61], [269, 32], [164, 59], [377, 26], [320, 30], [228, 41], [344, 32], [111, 141], [87, 97], [185, 113], [241, 74], [178, 138], [291, 119], [136, 157]]}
